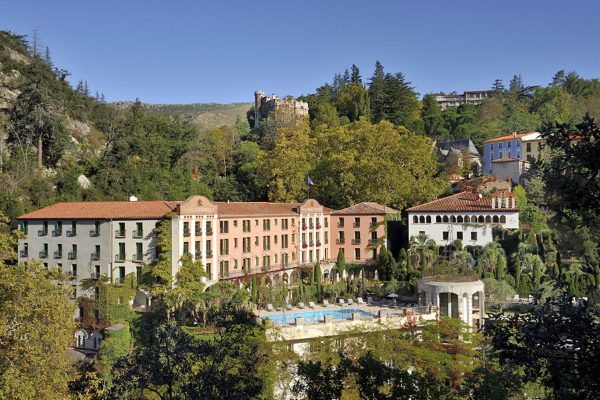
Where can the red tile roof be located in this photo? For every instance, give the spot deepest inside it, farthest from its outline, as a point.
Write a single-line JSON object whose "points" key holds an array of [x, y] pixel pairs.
{"points": [[367, 207], [508, 137], [505, 159], [104, 210], [464, 201]]}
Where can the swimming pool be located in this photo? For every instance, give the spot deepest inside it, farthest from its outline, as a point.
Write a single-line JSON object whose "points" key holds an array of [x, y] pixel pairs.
{"points": [[287, 318]]}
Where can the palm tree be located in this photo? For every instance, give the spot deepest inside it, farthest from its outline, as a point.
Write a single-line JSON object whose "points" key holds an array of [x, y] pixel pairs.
{"points": [[422, 251], [492, 260]]}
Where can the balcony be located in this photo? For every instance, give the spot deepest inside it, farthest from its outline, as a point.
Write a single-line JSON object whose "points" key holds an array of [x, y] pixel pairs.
{"points": [[137, 234], [95, 275], [120, 233], [198, 232], [94, 233], [355, 241], [95, 256], [43, 254], [209, 254], [304, 245], [303, 227], [72, 255], [318, 226], [373, 241], [137, 258], [198, 255], [24, 254], [186, 232], [374, 225], [340, 241], [340, 224], [71, 233], [311, 244], [42, 232], [356, 224], [209, 231], [120, 258], [318, 244], [58, 254], [57, 232], [311, 226]]}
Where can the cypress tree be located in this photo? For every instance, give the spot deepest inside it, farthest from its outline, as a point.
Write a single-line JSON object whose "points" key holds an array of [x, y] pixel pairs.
{"points": [[254, 290], [341, 261], [317, 279]]}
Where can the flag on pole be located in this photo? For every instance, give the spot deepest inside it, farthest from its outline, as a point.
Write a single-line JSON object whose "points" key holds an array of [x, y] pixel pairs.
{"points": [[196, 174], [310, 182]]}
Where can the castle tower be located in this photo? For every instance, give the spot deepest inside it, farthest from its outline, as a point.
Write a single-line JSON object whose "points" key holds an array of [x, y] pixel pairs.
{"points": [[258, 96]]}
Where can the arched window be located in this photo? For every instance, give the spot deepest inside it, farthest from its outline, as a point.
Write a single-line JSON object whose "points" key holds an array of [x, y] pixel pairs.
{"points": [[481, 219], [503, 219], [467, 219], [488, 218], [422, 219], [415, 219], [445, 218], [428, 219], [495, 219], [459, 218], [452, 219], [438, 219]]}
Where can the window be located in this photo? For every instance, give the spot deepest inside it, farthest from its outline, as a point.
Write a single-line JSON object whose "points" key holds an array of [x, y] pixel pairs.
{"points": [[186, 248], [235, 243], [428, 219], [445, 235], [197, 251], [415, 220], [24, 227], [121, 230], [197, 228], [224, 247], [341, 223], [284, 241], [502, 219], [326, 237], [209, 270], [266, 225], [528, 147], [256, 240], [96, 230], [44, 230], [246, 225], [356, 239], [58, 228], [74, 270], [186, 229], [58, 253], [139, 230], [139, 251], [209, 230], [256, 261], [96, 271], [235, 224], [421, 232], [284, 223], [208, 248], [224, 226], [326, 222], [509, 144], [356, 222], [256, 222], [138, 274], [266, 243], [473, 235], [25, 251], [438, 219], [235, 262], [246, 245], [422, 219], [73, 292], [73, 253], [121, 253], [357, 254], [459, 235], [275, 238]]}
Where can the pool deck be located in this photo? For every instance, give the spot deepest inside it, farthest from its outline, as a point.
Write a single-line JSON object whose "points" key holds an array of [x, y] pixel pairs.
{"points": [[386, 317]]}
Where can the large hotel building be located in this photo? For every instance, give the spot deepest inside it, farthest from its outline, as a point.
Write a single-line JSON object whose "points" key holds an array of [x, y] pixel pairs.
{"points": [[231, 239]]}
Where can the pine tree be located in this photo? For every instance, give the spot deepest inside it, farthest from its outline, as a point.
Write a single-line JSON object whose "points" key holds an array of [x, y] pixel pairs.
{"points": [[498, 85], [86, 89], [346, 76], [47, 57], [355, 76], [376, 92], [432, 117]]}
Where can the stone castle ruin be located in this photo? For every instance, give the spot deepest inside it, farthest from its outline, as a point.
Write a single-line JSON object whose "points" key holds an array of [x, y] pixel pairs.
{"points": [[269, 106]]}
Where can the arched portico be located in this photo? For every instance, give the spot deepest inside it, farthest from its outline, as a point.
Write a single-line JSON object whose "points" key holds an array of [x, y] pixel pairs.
{"points": [[464, 300]]}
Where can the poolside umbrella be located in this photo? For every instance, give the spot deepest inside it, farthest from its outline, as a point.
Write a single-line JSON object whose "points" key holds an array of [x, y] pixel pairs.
{"points": [[376, 276], [392, 296]]}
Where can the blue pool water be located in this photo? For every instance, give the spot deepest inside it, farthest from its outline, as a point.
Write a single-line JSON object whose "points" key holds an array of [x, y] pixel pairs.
{"points": [[315, 316]]}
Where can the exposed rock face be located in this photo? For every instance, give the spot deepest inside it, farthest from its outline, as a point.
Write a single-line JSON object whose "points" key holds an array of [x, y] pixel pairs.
{"points": [[8, 94]]}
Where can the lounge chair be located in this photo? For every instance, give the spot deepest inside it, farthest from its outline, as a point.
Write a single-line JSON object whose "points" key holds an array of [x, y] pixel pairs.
{"points": [[301, 305], [350, 302], [342, 302], [360, 301], [325, 303], [270, 307], [311, 304], [288, 307]]}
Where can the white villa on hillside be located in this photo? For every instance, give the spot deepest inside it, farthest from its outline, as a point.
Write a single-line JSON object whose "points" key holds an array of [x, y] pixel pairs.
{"points": [[466, 216]]}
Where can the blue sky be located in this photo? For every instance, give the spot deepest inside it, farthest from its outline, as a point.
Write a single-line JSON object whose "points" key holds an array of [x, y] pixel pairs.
{"points": [[221, 51]]}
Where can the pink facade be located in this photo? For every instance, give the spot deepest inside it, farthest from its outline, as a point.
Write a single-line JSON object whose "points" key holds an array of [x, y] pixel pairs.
{"points": [[237, 239]]}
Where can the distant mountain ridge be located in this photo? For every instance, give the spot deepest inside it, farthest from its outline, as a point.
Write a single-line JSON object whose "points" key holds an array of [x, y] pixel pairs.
{"points": [[204, 115]]}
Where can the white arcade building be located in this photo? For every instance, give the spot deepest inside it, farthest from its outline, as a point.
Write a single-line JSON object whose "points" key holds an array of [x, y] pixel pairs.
{"points": [[467, 216]]}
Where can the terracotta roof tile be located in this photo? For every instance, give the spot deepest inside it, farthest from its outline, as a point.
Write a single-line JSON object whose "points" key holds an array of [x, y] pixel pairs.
{"points": [[367, 207], [104, 210], [464, 201], [508, 137]]}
